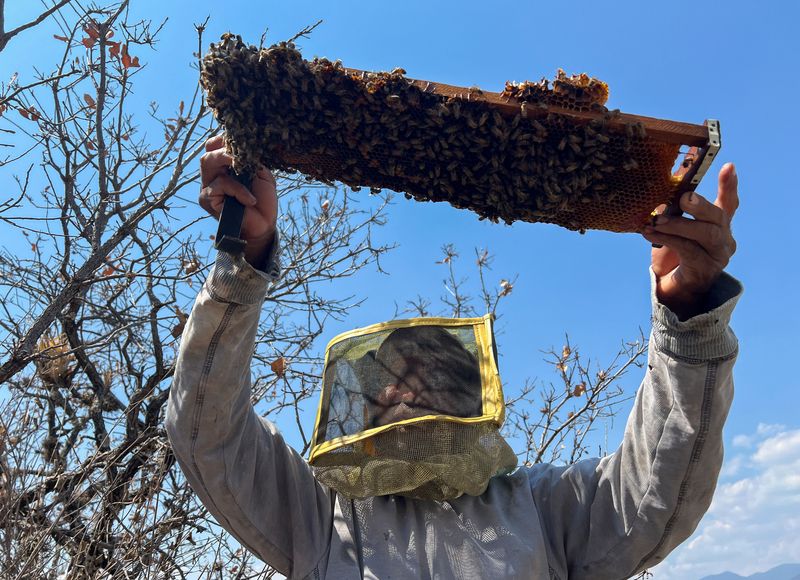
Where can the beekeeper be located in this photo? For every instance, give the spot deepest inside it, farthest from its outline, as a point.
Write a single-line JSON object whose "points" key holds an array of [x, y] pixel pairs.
{"points": [[411, 477]]}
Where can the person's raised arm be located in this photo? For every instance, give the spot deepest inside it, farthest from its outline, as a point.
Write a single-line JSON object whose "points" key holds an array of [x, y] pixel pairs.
{"points": [[612, 517], [254, 484]]}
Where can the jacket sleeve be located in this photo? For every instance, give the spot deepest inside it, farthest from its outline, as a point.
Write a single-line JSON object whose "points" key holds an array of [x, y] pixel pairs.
{"points": [[252, 482], [612, 517]]}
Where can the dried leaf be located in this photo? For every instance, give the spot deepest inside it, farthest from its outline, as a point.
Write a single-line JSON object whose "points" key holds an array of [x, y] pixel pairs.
{"points": [[191, 266], [88, 42], [579, 389], [177, 330], [124, 136], [561, 366], [326, 204], [113, 49], [90, 145], [92, 30], [126, 58], [181, 314], [566, 352], [30, 113], [127, 61], [61, 38], [506, 287], [180, 108], [89, 101], [278, 367], [570, 415], [3, 109], [109, 271]]}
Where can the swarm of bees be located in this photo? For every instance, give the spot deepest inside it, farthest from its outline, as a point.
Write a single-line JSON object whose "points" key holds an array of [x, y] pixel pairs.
{"points": [[383, 130]]}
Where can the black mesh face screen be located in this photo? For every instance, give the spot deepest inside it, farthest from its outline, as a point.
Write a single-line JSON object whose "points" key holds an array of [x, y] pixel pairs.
{"points": [[410, 372]]}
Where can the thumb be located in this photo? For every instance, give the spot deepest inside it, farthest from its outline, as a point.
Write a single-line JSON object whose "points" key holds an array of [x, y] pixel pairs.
{"points": [[728, 190]]}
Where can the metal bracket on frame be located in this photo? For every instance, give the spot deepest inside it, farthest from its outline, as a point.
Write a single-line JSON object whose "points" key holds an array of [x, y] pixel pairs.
{"points": [[710, 151]]}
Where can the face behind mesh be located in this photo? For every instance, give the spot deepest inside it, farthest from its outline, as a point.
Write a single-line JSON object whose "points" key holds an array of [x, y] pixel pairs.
{"points": [[428, 367]]}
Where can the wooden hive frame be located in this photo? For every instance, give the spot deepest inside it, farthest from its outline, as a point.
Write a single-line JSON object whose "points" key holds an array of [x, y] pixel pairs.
{"points": [[703, 141]]}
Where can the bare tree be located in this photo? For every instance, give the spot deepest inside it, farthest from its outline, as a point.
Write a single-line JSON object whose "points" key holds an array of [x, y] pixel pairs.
{"points": [[95, 299]]}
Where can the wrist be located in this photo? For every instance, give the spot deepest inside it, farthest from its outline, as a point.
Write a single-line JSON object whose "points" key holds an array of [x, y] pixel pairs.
{"points": [[685, 304], [257, 250]]}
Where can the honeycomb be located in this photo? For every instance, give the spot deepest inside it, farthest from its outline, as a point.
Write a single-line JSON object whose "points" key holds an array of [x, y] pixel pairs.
{"points": [[383, 130], [577, 92]]}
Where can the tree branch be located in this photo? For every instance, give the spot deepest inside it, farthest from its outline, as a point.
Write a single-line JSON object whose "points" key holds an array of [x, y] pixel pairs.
{"points": [[5, 37]]}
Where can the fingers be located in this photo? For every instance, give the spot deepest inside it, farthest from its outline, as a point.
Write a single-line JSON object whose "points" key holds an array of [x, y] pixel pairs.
{"points": [[215, 142], [706, 230], [714, 238], [212, 196], [698, 268], [703, 210], [214, 164], [664, 260], [694, 251], [728, 190]]}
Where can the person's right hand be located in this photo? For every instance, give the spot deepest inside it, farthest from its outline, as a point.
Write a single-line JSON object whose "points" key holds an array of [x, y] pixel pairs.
{"points": [[260, 201]]}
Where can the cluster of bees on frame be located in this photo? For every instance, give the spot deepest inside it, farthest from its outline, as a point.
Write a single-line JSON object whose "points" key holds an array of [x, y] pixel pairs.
{"points": [[381, 130]]}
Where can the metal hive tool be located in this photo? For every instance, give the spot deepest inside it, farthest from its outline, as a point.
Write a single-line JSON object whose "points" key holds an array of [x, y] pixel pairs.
{"points": [[536, 152]]}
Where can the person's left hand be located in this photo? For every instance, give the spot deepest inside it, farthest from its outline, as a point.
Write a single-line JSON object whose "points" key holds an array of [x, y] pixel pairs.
{"points": [[695, 251]]}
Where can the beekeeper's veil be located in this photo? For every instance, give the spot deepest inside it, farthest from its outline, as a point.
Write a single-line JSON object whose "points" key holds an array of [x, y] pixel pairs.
{"points": [[411, 407]]}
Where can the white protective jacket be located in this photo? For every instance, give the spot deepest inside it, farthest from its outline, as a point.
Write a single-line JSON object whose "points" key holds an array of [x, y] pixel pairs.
{"points": [[598, 519]]}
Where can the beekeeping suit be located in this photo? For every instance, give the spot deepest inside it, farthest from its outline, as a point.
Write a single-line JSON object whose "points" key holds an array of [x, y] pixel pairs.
{"points": [[600, 518]]}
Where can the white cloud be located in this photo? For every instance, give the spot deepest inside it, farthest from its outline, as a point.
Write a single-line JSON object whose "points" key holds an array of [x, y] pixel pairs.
{"points": [[763, 430], [754, 522]]}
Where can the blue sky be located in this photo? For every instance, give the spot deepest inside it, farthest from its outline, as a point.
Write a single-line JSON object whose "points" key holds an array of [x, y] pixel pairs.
{"points": [[734, 61]]}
